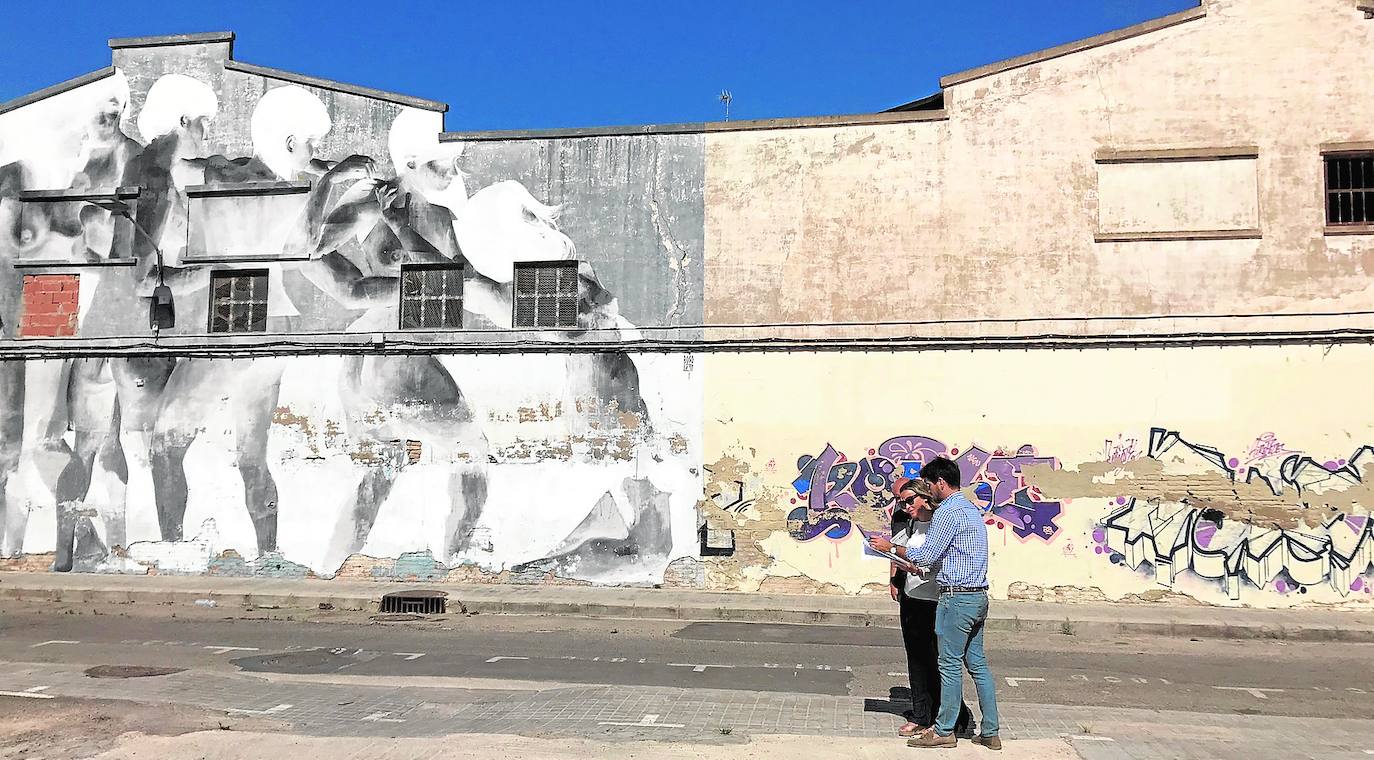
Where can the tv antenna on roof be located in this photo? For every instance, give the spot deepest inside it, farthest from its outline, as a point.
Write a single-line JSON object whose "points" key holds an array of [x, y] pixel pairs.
{"points": [[726, 97]]}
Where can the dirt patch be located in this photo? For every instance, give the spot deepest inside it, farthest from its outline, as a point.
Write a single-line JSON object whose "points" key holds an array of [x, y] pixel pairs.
{"points": [[79, 728]]}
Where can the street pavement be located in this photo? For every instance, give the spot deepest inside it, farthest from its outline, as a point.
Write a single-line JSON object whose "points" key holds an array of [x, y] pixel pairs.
{"points": [[336, 676]]}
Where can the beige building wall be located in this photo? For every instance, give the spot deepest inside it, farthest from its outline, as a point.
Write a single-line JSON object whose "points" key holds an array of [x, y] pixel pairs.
{"points": [[1248, 492], [994, 210]]}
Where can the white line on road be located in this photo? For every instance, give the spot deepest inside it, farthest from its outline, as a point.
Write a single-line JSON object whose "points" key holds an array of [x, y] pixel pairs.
{"points": [[268, 711], [1255, 692], [648, 721], [54, 641], [1017, 681], [410, 655], [224, 650], [500, 658], [696, 668], [1090, 738], [30, 694], [380, 717]]}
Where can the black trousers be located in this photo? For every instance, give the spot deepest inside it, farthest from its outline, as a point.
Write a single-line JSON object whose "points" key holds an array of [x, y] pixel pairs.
{"points": [[922, 663]]}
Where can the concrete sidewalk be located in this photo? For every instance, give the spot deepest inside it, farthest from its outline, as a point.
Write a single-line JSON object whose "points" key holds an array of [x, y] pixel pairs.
{"points": [[690, 605]]}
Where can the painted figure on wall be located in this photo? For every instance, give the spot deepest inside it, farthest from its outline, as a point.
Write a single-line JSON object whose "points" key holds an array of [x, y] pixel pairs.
{"points": [[76, 395], [372, 227], [337, 245]]}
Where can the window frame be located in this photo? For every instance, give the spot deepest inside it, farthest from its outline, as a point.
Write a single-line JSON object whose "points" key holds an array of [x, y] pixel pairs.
{"points": [[572, 264], [1330, 156], [247, 190], [220, 274], [461, 269]]}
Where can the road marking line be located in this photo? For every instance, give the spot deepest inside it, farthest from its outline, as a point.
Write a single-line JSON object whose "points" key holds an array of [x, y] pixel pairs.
{"points": [[380, 717], [1255, 692], [1017, 681], [503, 657], [648, 721], [696, 668], [410, 655], [268, 711], [35, 689], [54, 641], [1090, 738], [890, 674], [224, 650], [29, 694]]}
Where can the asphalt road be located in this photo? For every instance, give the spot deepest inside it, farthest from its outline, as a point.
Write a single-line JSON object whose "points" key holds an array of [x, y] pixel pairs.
{"points": [[1217, 677]]}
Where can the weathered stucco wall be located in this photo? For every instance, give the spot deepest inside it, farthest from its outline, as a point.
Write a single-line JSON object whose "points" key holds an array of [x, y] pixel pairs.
{"points": [[994, 211], [1224, 475]]}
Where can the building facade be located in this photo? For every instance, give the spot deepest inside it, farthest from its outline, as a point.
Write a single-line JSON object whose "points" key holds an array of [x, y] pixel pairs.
{"points": [[258, 323]]}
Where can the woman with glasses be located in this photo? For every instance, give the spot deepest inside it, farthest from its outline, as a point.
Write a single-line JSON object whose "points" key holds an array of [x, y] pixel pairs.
{"points": [[915, 591]]}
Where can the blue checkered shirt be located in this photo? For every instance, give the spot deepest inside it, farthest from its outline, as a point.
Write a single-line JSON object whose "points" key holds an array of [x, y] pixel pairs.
{"points": [[958, 540]]}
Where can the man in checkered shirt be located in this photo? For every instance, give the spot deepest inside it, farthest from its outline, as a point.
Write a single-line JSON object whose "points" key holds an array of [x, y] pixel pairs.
{"points": [[958, 540]]}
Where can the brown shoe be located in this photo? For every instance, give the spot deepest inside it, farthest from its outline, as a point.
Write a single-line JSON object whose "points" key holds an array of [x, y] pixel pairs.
{"points": [[991, 742], [933, 740]]}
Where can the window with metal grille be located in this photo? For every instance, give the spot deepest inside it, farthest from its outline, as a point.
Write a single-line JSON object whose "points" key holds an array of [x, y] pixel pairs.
{"points": [[238, 301], [432, 297], [1350, 189], [546, 294]]}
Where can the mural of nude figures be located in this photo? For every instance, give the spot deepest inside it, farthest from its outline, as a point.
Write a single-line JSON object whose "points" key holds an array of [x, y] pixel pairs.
{"points": [[581, 464]]}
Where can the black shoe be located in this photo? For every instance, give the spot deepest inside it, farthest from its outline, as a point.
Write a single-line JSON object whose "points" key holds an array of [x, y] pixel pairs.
{"points": [[965, 730]]}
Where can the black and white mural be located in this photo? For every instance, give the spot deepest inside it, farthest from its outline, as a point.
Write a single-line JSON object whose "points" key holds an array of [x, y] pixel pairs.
{"points": [[582, 464]]}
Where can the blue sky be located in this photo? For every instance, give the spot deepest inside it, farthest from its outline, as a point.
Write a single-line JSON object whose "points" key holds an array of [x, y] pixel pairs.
{"points": [[543, 64]]}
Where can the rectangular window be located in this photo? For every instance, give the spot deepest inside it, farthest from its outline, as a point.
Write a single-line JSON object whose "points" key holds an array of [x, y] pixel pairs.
{"points": [[245, 221], [1178, 195], [546, 294], [238, 301], [1350, 188], [432, 297]]}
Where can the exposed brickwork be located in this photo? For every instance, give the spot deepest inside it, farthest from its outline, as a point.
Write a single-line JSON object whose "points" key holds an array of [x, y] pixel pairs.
{"points": [[687, 572], [50, 305]]}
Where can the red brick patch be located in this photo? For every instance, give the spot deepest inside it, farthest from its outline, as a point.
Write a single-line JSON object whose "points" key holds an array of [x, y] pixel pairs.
{"points": [[50, 305]]}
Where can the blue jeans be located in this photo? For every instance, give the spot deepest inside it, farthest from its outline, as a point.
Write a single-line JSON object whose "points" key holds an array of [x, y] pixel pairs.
{"points": [[959, 622]]}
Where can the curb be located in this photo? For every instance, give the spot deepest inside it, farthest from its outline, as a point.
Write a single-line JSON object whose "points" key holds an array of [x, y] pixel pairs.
{"points": [[1095, 628]]}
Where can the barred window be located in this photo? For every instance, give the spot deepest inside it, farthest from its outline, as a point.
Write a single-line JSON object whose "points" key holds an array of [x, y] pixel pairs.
{"points": [[1350, 189], [432, 297], [238, 301], [546, 294]]}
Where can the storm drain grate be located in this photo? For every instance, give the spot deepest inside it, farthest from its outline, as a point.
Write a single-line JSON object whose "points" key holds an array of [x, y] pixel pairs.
{"points": [[415, 602]]}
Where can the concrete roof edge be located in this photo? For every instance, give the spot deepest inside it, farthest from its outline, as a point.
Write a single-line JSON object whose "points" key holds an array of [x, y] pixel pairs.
{"points": [[329, 84], [1107, 38], [57, 89], [698, 127], [171, 39]]}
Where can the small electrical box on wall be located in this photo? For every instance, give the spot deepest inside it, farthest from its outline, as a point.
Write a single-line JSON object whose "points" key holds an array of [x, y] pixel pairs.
{"points": [[161, 310]]}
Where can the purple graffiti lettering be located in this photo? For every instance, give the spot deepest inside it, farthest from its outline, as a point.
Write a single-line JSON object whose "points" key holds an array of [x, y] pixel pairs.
{"points": [[999, 486]]}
